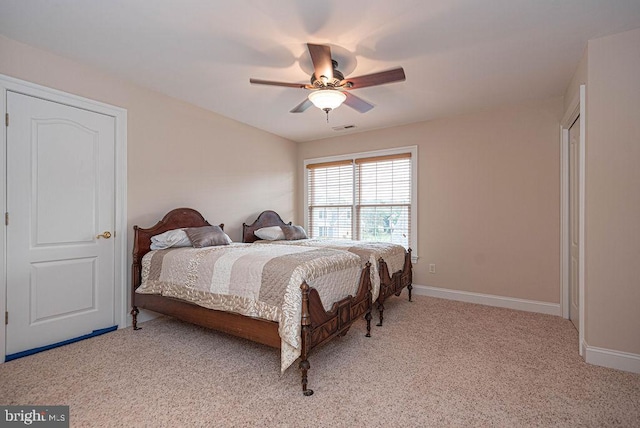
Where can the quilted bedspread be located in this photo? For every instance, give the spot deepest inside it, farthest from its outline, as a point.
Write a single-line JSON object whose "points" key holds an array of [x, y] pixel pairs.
{"points": [[254, 280], [393, 254]]}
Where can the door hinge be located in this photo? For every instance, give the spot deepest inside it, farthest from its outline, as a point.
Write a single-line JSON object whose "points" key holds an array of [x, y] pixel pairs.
{"points": [[6, 317], [6, 119], [6, 219]]}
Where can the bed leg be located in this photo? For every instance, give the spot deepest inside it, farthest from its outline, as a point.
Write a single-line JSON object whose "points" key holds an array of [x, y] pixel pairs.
{"points": [[134, 318], [408, 270], [380, 311], [304, 367], [368, 317], [306, 338]]}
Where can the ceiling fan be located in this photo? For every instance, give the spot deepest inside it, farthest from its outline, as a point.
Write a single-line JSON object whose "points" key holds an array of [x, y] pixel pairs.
{"points": [[329, 88]]}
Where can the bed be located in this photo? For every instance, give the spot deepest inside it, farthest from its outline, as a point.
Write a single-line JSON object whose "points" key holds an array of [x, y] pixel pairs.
{"points": [[388, 276], [314, 324]]}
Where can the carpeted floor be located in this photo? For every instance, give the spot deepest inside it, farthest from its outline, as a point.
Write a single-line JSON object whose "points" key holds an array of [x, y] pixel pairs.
{"points": [[434, 363]]}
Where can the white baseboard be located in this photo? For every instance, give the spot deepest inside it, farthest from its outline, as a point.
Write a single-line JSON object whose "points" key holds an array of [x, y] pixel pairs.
{"points": [[612, 359], [489, 299]]}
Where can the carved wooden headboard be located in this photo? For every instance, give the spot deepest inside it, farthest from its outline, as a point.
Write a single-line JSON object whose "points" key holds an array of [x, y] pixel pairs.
{"points": [[265, 219]]}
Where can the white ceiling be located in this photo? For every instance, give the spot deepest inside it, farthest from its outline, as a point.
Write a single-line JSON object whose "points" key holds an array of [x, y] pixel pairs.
{"points": [[458, 55]]}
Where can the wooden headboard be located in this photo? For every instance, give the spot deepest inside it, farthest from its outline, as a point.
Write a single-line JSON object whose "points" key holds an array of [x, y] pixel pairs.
{"points": [[265, 219], [174, 219]]}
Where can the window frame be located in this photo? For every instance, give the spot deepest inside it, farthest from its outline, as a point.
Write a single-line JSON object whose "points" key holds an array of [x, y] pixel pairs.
{"points": [[413, 150]]}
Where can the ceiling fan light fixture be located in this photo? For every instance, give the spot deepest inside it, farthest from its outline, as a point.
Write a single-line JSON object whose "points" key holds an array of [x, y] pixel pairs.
{"points": [[327, 99]]}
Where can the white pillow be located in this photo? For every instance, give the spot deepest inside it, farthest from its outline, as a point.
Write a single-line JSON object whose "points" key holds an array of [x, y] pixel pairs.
{"points": [[272, 233], [171, 238]]}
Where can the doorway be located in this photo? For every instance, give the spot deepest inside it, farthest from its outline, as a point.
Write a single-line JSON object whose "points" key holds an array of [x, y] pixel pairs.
{"points": [[574, 223], [572, 213]]}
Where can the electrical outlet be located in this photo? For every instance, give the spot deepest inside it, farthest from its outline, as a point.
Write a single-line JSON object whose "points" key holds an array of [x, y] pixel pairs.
{"points": [[432, 268]]}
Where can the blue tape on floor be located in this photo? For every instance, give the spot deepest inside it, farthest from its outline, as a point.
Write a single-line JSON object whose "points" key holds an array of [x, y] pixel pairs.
{"points": [[55, 345]]}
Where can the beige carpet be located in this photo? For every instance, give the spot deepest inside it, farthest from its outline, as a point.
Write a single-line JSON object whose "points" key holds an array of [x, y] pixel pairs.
{"points": [[434, 363]]}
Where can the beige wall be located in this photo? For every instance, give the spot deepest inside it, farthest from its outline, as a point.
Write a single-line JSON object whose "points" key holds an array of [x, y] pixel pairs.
{"points": [[612, 247], [178, 154], [488, 195]]}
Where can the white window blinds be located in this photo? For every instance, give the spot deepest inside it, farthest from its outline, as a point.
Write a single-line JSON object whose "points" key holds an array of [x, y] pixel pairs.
{"points": [[383, 198], [367, 198], [330, 209]]}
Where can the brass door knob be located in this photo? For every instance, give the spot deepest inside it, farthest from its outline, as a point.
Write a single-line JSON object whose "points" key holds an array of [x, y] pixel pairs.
{"points": [[105, 235]]}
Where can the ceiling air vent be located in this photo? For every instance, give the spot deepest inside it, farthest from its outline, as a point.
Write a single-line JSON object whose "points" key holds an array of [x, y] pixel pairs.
{"points": [[343, 127]]}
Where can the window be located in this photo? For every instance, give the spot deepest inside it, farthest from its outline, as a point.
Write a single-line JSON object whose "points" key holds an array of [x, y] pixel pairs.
{"points": [[365, 196], [330, 209]]}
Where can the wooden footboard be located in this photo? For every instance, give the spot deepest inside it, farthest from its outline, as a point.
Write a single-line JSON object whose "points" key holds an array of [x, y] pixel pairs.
{"points": [[394, 284]]}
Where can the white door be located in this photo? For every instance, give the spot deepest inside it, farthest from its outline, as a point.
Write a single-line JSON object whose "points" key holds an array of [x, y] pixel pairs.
{"points": [[60, 197], [574, 222]]}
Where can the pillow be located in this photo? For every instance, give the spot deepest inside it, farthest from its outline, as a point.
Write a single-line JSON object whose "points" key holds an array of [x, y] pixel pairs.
{"points": [[272, 233], [207, 236], [171, 238], [293, 233]]}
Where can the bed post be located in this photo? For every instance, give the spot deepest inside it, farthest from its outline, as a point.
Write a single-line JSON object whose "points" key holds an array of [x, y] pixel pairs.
{"points": [[380, 312], [135, 277], [135, 280], [383, 272], [306, 338], [134, 318], [408, 267]]}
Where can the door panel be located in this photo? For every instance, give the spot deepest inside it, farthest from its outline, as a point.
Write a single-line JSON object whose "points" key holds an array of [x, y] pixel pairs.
{"points": [[74, 279], [73, 187], [60, 196]]}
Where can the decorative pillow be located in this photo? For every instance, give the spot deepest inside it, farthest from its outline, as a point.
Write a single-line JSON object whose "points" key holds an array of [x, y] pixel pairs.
{"points": [[171, 238], [293, 233], [207, 236], [272, 233]]}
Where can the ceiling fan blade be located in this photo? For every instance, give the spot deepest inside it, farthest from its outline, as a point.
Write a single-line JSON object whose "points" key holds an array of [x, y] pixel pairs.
{"points": [[321, 58], [272, 83], [302, 106], [357, 103], [374, 79]]}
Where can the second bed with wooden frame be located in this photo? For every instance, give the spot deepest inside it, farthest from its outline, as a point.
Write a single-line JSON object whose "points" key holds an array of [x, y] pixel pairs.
{"points": [[391, 283], [317, 325]]}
